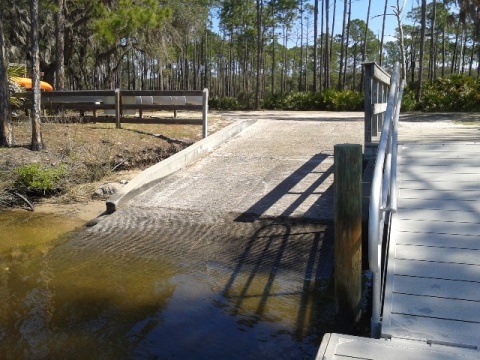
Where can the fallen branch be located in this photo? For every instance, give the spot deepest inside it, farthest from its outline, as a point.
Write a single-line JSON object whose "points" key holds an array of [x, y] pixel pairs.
{"points": [[30, 205]]}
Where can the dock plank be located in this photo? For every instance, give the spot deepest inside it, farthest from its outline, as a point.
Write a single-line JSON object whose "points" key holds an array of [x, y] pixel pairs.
{"points": [[456, 333], [337, 346], [439, 227], [439, 240], [441, 204], [445, 176], [448, 271], [438, 254], [439, 215], [458, 310], [441, 288]]}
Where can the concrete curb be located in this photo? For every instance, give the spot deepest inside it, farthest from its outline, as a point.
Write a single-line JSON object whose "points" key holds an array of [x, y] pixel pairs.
{"points": [[151, 176]]}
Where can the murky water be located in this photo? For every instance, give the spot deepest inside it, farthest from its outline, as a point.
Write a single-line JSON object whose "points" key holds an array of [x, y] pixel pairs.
{"points": [[67, 302]]}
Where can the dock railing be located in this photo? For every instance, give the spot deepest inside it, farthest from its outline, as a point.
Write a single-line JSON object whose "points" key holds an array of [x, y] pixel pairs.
{"points": [[377, 81], [383, 196]]}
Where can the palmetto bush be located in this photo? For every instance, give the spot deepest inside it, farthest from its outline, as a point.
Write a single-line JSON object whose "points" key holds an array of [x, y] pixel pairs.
{"points": [[15, 71], [454, 93]]}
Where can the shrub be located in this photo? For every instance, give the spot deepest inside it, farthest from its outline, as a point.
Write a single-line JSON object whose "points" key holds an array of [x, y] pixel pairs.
{"points": [[455, 93], [408, 101], [334, 100], [35, 179], [224, 103], [331, 100]]}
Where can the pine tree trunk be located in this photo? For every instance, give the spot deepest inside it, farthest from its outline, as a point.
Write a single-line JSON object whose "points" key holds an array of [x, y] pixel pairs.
{"points": [[273, 47], [300, 72], [383, 33], [315, 45], [472, 54], [433, 52], [422, 46], [346, 43], [327, 47], [60, 46], [443, 52], [37, 141], [6, 132], [259, 53], [342, 45], [365, 39]]}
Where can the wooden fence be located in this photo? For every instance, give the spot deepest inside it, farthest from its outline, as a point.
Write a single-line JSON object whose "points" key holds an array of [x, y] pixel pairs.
{"points": [[121, 103], [377, 82]]}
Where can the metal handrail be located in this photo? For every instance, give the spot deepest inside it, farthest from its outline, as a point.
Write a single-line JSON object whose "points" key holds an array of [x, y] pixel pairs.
{"points": [[383, 196]]}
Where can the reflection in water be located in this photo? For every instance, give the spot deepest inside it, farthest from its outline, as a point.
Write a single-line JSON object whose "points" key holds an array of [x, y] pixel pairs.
{"points": [[60, 301]]}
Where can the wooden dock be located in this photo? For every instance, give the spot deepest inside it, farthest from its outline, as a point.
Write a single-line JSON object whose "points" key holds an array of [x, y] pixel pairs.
{"points": [[432, 291], [432, 294]]}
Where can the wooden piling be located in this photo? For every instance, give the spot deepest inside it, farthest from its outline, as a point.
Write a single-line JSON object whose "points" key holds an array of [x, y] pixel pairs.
{"points": [[348, 232]]}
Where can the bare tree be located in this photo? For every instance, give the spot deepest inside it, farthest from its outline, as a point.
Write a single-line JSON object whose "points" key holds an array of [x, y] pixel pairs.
{"points": [[37, 142]]}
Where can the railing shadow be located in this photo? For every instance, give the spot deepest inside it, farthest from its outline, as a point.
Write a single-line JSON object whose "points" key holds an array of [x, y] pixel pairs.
{"points": [[288, 262], [285, 268], [286, 187]]}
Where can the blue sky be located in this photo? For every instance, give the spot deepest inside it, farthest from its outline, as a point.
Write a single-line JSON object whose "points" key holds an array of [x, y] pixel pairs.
{"points": [[359, 11]]}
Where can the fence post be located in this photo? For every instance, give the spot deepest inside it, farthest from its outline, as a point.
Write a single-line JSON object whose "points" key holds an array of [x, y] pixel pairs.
{"points": [[367, 90], [118, 108], [205, 112], [348, 232]]}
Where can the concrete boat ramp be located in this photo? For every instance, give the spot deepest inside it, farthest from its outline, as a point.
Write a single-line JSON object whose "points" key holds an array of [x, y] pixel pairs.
{"points": [[250, 220], [258, 199]]}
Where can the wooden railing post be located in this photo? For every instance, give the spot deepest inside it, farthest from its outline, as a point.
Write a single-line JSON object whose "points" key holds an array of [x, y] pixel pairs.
{"points": [[368, 89], [118, 108], [348, 232], [376, 85], [205, 112]]}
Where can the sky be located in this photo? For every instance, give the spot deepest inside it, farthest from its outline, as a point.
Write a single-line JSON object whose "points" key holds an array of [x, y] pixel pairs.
{"points": [[359, 11]]}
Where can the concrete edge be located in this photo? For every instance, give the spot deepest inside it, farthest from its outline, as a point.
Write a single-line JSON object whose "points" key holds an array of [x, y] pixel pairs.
{"points": [[152, 175]]}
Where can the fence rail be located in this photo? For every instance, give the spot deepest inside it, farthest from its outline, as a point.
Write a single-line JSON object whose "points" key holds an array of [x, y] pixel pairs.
{"points": [[119, 103], [376, 84], [383, 195]]}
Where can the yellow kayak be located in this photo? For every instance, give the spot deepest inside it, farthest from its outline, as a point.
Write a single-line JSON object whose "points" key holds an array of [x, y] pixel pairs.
{"points": [[27, 83]]}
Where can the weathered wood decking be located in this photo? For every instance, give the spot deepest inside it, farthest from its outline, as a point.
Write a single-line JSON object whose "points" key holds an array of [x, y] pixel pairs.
{"points": [[433, 277], [432, 293]]}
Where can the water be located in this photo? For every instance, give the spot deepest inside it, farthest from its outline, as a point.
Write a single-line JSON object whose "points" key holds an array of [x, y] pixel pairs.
{"points": [[61, 301]]}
